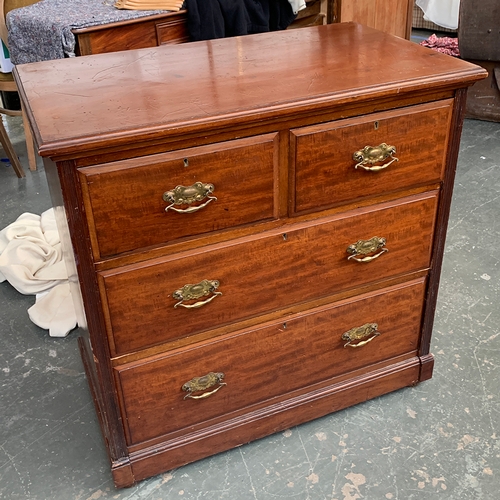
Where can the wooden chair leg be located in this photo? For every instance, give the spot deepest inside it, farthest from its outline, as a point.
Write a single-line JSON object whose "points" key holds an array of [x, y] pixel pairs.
{"points": [[9, 151], [30, 145]]}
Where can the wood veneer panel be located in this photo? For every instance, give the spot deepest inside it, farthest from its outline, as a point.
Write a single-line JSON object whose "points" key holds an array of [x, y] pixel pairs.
{"points": [[133, 34], [308, 349], [308, 406], [268, 272], [391, 16], [323, 155], [178, 89], [124, 200]]}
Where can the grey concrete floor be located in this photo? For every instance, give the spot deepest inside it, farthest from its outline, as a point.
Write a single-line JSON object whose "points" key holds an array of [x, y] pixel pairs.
{"points": [[440, 439]]}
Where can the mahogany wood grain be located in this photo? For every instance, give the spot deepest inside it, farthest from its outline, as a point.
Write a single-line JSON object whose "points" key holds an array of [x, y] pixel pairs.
{"points": [[269, 406], [325, 173], [308, 350], [188, 88], [315, 403], [185, 244], [125, 205], [150, 31], [391, 16], [172, 31], [326, 114], [281, 315], [268, 272]]}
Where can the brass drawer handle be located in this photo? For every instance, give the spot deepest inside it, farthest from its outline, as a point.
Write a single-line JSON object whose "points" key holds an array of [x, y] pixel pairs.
{"points": [[359, 333], [365, 247], [197, 291], [368, 156], [198, 384], [186, 195]]}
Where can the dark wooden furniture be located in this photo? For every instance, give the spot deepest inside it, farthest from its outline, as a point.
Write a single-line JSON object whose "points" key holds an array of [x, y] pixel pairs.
{"points": [[258, 225], [139, 33], [392, 16], [163, 29]]}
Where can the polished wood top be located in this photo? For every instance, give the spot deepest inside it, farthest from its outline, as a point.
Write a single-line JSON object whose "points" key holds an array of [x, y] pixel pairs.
{"points": [[94, 101]]}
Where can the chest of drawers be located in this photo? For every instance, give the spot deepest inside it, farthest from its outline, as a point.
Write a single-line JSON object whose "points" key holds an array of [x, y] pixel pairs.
{"points": [[257, 224], [166, 28]]}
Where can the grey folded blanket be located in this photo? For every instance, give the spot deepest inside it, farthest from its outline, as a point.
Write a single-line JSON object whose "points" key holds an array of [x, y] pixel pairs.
{"points": [[42, 31]]}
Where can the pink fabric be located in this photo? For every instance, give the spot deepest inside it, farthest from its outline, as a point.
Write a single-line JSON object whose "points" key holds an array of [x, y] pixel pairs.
{"points": [[445, 45]]}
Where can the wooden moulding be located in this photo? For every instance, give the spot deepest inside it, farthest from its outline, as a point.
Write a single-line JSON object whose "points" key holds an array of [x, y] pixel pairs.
{"points": [[443, 215], [154, 406], [316, 403], [91, 130]]}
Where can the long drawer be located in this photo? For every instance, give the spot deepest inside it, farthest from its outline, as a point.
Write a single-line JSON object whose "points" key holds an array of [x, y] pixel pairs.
{"points": [[132, 204], [234, 372], [146, 303], [327, 174]]}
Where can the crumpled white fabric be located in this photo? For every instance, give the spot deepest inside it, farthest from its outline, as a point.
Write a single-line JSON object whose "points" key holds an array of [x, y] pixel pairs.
{"points": [[31, 261], [297, 5], [441, 12]]}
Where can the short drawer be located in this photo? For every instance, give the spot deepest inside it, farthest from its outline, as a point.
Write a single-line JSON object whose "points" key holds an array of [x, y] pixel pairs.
{"points": [[172, 31], [326, 173], [147, 201], [253, 366], [193, 292]]}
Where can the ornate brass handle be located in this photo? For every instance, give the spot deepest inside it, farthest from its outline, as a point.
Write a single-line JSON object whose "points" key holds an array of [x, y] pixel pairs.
{"points": [[197, 291], [365, 247], [368, 156], [186, 195], [198, 384], [359, 333]]}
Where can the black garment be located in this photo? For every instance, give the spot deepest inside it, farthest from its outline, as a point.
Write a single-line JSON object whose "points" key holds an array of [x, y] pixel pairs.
{"points": [[208, 19]]}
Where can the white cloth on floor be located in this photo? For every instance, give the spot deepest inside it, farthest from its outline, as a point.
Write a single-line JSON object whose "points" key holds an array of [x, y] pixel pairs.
{"points": [[441, 12], [54, 311], [31, 261]]}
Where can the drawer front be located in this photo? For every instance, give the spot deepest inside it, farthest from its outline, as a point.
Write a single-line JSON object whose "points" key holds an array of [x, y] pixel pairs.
{"points": [[325, 170], [264, 273], [172, 31], [267, 362], [126, 201]]}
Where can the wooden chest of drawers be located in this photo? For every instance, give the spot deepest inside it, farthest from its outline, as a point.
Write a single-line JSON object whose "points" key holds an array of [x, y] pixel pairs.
{"points": [[258, 225]]}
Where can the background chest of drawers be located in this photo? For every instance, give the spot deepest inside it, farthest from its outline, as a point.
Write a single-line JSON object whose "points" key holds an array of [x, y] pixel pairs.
{"points": [[168, 28], [258, 225]]}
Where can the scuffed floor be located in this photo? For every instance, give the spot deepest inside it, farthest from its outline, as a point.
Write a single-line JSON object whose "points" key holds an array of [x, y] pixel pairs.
{"points": [[440, 439]]}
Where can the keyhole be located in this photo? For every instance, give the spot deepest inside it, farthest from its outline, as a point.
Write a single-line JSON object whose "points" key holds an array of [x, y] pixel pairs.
{"points": [[375, 125], [285, 236], [284, 326], [186, 162]]}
